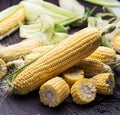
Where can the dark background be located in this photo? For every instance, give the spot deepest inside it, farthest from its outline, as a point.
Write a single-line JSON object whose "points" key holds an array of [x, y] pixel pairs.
{"points": [[30, 104]]}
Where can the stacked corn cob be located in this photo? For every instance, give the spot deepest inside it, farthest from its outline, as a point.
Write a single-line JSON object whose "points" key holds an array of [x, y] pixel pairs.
{"points": [[15, 51], [72, 75], [54, 91]]}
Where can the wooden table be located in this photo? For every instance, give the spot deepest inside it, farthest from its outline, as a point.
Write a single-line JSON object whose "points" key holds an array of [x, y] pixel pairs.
{"points": [[30, 104]]}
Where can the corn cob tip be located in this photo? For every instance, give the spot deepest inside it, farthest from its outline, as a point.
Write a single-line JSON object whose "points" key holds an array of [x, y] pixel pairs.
{"points": [[104, 83], [54, 92], [108, 29], [83, 91], [107, 68]]}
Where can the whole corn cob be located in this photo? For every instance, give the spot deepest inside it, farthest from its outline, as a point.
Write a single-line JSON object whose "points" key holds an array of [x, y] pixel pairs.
{"points": [[12, 21], [92, 67], [115, 41], [54, 91], [36, 52], [72, 75], [58, 59], [15, 51], [104, 54], [3, 68], [83, 91], [104, 83]]}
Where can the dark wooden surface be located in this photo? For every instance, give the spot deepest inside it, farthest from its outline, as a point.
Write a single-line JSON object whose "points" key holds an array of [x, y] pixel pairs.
{"points": [[30, 104]]}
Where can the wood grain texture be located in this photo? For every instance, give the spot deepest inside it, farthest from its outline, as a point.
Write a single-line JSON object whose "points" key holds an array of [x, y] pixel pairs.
{"points": [[30, 104]]}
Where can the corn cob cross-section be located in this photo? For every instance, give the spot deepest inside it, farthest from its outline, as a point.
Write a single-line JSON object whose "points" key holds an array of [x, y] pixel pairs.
{"points": [[72, 75], [14, 51], [58, 59], [104, 54], [83, 91], [12, 21], [92, 67], [54, 91], [104, 83], [3, 68]]}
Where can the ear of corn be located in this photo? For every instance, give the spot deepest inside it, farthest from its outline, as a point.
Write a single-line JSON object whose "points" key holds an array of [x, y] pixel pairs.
{"points": [[92, 67], [104, 54], [15, 51], [54, 92], [115, 41], [58, 59], [11, 22], [3, 68], [72, 75], [104, 83], [83, 91], [36, 52]]}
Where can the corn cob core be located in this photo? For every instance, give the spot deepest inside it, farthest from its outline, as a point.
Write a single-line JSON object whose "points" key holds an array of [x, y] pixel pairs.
{"points": [[13, 52], [36, 52], [115, 41], [54, 91], [92, 67], [3, 68], [104, 83], [83, 91], [72, 75], [12, 21], [104, 54], [58, 59]]}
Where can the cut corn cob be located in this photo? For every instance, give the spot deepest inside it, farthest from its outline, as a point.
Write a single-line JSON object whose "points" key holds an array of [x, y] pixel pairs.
{"points": [[104, 54], [54, 92], [83, 91], [92, 67], [72, 75], [36, 52], [58, 59], [15, 51], [3, 68], [104, 83], [12, 22], [115, 41]]}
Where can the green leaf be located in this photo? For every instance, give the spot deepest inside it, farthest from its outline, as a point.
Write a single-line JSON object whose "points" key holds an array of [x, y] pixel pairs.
{"points": [[42, 29], [113, 3], [105, 42], [72, 5], [114, 10], [60, 28], [34, 10]]}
